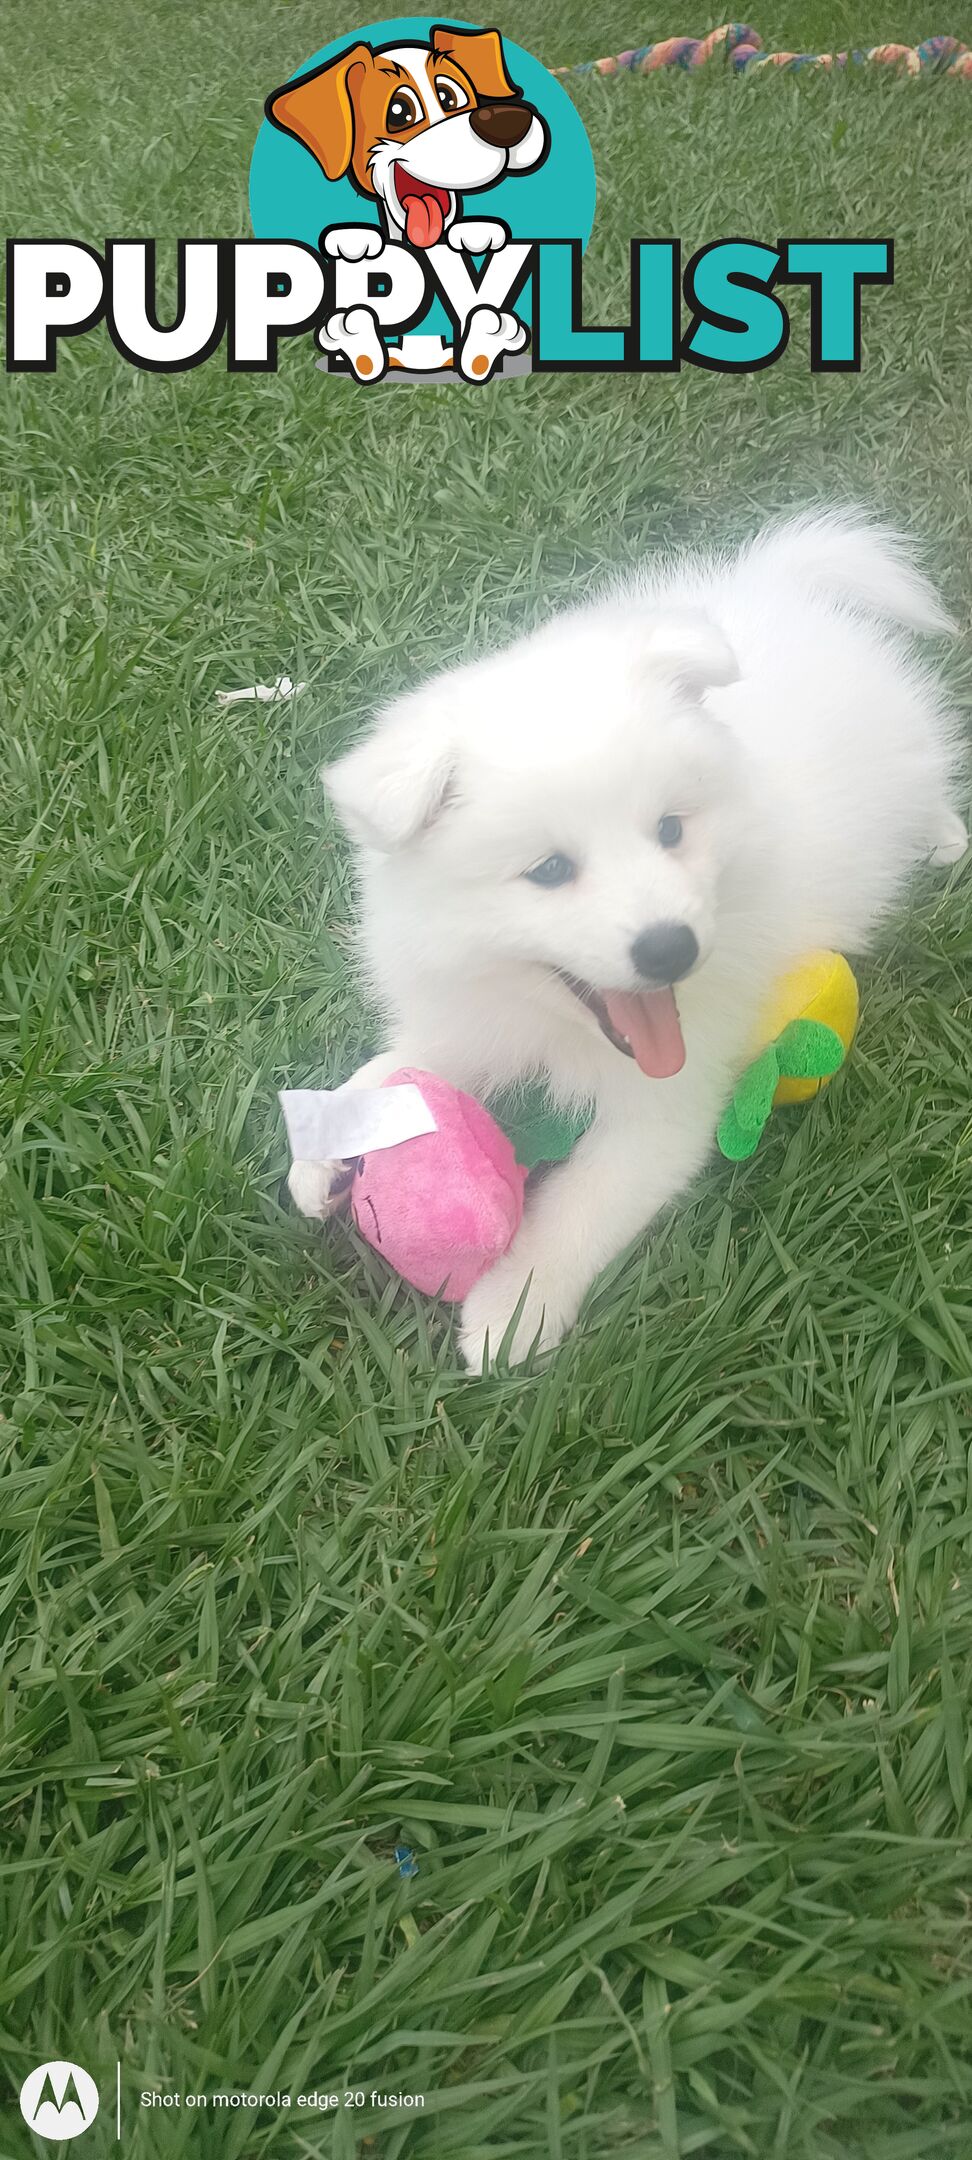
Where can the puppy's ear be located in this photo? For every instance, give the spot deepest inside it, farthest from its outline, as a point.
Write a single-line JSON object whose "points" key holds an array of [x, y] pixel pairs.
{"points": [[689, 649], [393, 785], [318, 108], [480, 55]]}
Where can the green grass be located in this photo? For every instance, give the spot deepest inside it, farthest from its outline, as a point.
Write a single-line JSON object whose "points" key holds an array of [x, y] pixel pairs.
{"points": [[660, 1660]]}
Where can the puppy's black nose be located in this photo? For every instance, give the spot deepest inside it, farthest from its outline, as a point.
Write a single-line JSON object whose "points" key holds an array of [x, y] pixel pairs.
{"points": [[501, 126], [663, 955]]}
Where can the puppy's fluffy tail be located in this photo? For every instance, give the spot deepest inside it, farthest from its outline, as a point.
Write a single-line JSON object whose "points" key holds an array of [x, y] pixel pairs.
{"points": [[867, 566]]}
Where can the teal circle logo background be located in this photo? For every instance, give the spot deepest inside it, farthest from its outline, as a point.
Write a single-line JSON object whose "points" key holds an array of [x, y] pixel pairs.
{"points": [[291, 199]]}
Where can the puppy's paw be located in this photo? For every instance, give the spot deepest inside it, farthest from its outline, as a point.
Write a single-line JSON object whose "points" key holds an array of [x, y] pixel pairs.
{"points": [[488, 335], [353, 333], [477, 236], [353, 243], [320, 1189], [951, 841], [546, 1314]]}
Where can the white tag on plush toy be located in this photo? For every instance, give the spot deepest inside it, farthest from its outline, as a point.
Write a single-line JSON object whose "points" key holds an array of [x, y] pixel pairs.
{"points": [[330, 1124]]}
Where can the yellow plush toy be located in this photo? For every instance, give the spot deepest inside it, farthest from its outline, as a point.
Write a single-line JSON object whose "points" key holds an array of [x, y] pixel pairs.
{"points": [[806, 1030]]}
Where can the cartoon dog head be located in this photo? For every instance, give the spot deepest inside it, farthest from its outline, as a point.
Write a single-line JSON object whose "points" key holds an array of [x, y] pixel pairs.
{"points": [[415, 125]]}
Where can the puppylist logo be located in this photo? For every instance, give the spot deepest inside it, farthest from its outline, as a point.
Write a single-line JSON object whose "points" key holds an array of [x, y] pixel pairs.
{"points": [[423, 141], [421, 196]]}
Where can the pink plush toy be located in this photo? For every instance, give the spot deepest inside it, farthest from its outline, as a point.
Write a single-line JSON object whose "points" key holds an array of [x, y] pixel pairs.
{"points": [[442, 1207]]}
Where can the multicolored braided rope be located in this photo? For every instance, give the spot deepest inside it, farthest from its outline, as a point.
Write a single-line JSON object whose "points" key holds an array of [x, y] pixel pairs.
{"points": [[740, 48]]}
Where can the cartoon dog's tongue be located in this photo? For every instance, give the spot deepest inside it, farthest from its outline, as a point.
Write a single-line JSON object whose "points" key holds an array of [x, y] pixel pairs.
{"points": [[648, 1020], [423, 220], [425, 209]]}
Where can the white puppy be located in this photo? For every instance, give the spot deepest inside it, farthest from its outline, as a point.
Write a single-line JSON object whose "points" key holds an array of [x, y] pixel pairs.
{"points": [[588, 857]]}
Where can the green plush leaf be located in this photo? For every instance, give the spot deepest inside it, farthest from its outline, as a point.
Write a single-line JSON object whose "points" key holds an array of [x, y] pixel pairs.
{"points": [[737, 1142], [537, 1130], [742, 1123], [809, 1050], [804, 1050], [753, 1095]]}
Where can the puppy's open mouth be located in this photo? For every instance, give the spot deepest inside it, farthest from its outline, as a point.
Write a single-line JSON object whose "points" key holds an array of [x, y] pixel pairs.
{"points": [[642, 1024], [426, 208]]}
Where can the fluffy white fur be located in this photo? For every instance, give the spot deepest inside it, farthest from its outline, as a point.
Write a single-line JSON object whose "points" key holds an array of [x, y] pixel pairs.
{"points": [[766, 700]]}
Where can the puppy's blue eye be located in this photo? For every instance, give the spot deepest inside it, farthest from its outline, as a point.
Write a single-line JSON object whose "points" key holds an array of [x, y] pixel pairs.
{"points": [[554, 870], [669, 831]]}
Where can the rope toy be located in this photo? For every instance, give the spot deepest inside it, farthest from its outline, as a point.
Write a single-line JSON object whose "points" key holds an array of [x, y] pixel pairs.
{"points": [[740, 47]]}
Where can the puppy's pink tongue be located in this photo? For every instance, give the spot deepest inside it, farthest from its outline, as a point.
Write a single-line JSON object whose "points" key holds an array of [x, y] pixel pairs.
{"points": [[648, 1020], [423, 220]]}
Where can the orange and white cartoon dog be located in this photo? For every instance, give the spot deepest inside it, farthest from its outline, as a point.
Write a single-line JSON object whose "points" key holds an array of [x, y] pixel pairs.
{"points": [[415, 128]]}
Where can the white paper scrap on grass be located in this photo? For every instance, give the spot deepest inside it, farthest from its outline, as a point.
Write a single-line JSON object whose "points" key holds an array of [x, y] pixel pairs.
{"points": [[265, 693], [330, 1124]]}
